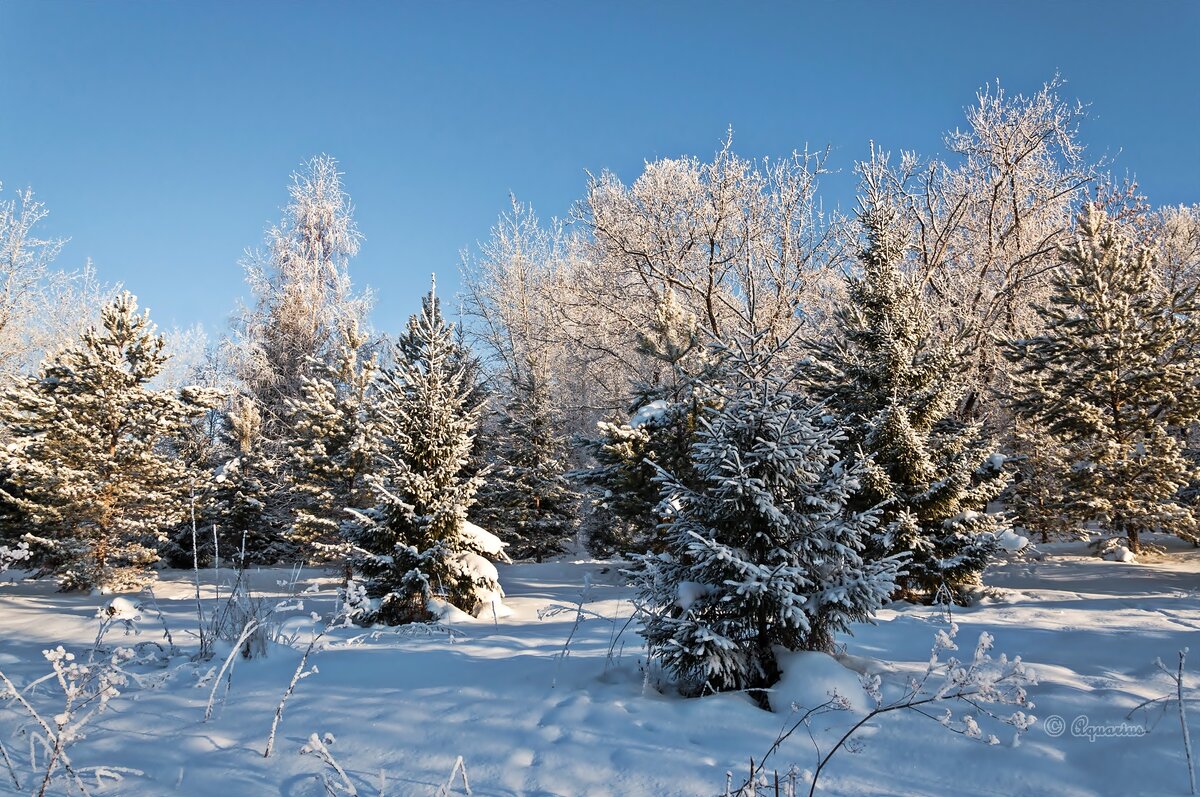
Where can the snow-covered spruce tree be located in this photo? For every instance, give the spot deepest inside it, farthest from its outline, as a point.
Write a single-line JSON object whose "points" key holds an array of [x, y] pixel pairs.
{"points": [[246, 530], [12, 521], [762, 547], [203, 449], [408, 347], [1040, 496], [1115, 376], [90, 457], [526, 498], [895, 388], [415, 543], [627, 455], [334, 444]]}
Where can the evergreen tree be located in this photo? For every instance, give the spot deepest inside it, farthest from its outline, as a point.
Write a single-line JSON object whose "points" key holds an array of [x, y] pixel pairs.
{"points": [[334, 445], [627, 455], [1115, 378], [526, 499], [90, 457], [1040, 497], [896, 387], [203, 451], [247, 532], [408, 347], [12, 520], [415, 544], [762, 548]]}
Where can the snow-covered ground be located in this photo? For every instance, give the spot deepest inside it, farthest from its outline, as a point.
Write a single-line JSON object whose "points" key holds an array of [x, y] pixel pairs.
{"points": [[529, 723]]}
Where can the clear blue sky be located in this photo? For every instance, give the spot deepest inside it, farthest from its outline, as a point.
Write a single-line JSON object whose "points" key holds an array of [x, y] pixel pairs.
{"points": [[162, 134]]}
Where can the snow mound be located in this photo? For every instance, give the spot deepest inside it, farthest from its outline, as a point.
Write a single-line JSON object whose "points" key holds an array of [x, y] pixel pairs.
{"points": [[445, 612], [1011, 541], [476, 567], [487, 600], [490, 602], [649, 413], [688, 592], [810, 679], [485, 541], [1119, 553], [120, 609]]}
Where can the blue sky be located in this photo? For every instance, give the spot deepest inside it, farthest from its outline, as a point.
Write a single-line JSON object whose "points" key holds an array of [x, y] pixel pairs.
{"points": [[162, 135]]}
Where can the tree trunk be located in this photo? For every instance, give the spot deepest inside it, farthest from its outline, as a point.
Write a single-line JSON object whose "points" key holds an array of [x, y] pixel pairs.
{"points": [[1135, 545]]}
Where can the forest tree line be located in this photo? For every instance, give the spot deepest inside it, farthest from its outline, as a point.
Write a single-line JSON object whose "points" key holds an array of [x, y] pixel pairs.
{"points": [[751, 399]]}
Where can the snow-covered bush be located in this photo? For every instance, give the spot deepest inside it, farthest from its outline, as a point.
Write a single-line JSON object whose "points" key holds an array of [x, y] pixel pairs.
{"points": [[988, 693]]}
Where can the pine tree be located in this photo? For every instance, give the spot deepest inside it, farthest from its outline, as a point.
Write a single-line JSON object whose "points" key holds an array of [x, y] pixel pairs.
{"points": [[334, 445], [246, 530], [627, 454], [1115, 377], [762, 548], [90, 456], [415, 544], [526, 499], [895, 388]]}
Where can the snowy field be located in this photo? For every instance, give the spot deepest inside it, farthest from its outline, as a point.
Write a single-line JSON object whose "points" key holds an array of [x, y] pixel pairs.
{"points": [[527, 722]]}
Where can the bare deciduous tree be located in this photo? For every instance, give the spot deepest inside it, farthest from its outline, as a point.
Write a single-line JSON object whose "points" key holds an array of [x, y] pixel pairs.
{"points": [[987, 222]]}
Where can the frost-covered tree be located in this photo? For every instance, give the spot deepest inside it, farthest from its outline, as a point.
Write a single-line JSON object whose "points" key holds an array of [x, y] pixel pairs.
{"points": [[1176, 234], [715, 231], [515, 287], [415, 543], [986, 220], [333, 448], [42, 308], [526, 498], [302, 292], [25, 276], [90, 456], [1115, 377], [626, 456], [742, 243], [895, 386], [762, 547]]}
